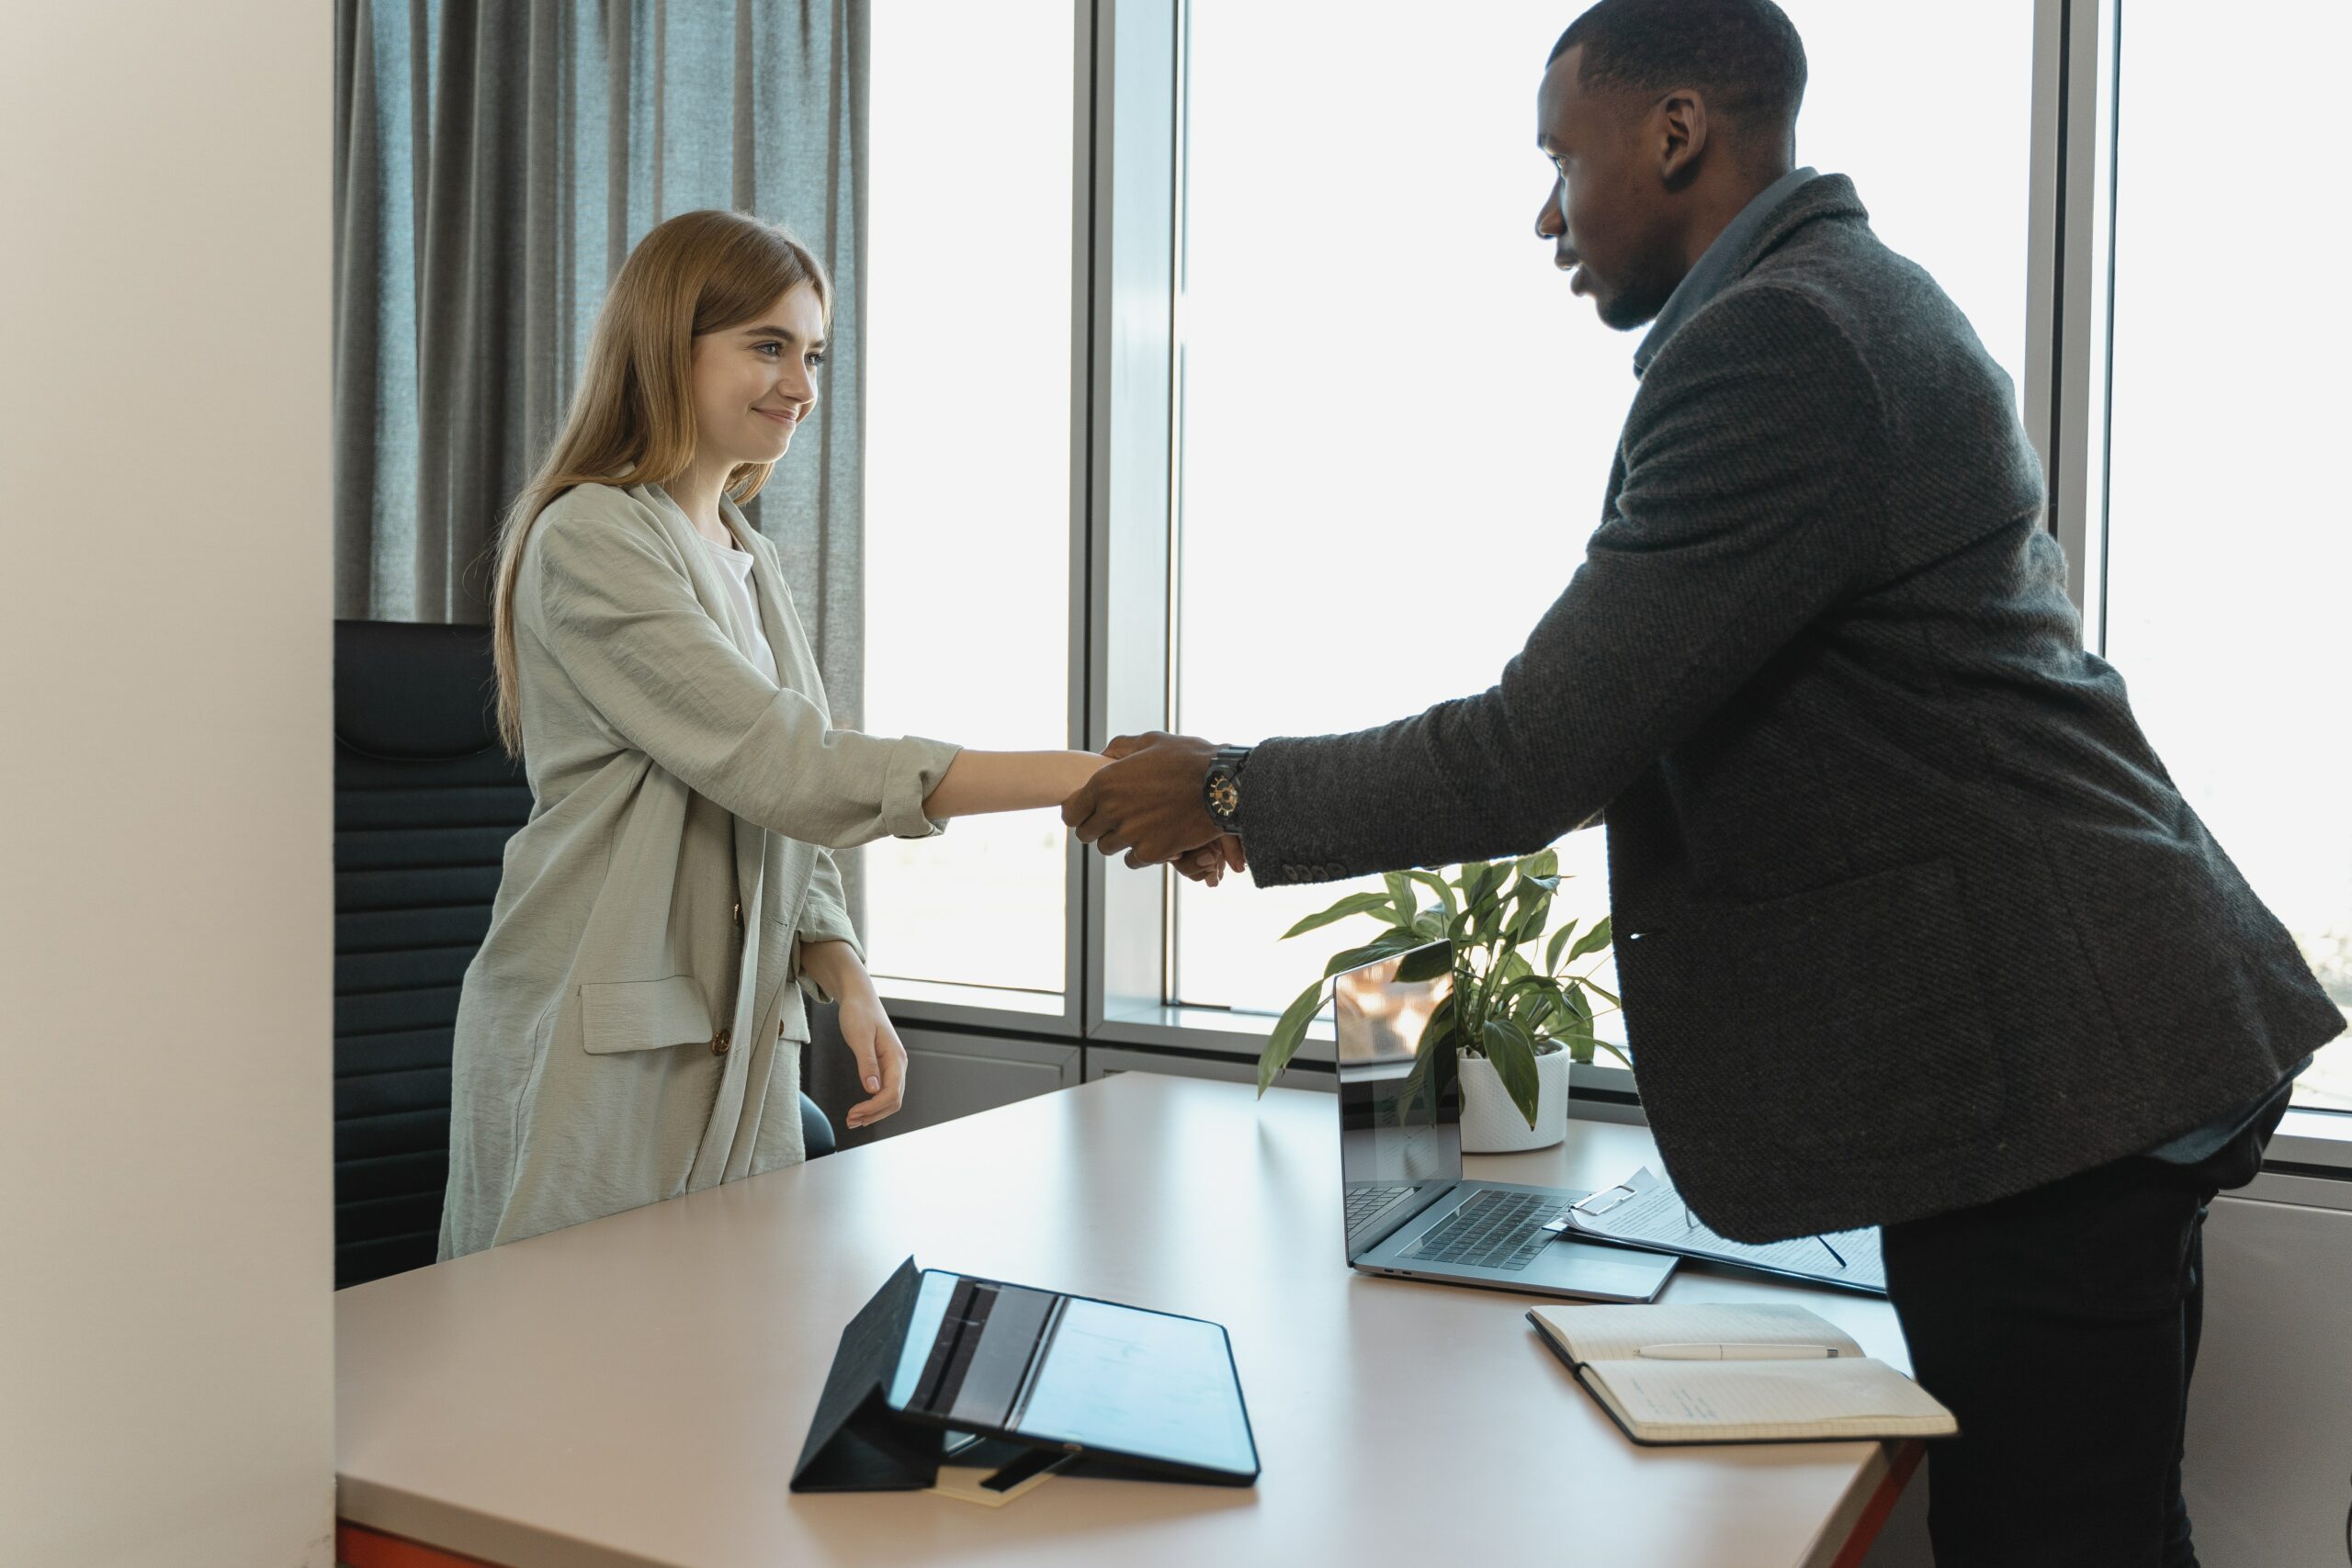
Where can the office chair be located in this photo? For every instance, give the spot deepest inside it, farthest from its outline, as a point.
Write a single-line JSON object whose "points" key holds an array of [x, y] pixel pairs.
{"points": [[424, 801]]}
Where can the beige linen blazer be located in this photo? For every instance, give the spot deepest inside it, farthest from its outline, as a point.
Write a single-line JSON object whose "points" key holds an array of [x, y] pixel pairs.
{"points": [[630, 1028]]}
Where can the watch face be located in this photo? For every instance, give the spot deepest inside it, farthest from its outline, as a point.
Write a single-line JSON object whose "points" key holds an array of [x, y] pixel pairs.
{"points": [[1224, 794]]}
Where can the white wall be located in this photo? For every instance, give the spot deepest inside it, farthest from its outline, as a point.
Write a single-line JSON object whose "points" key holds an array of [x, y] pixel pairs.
{"points": [[2268, 1475], [166, 1308]]}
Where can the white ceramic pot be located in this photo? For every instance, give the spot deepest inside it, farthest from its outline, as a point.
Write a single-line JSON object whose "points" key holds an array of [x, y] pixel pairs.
{"points": [[1491, 1124]]}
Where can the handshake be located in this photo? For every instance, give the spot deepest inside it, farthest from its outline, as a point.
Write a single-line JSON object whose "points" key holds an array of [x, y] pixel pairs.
{"points": [[1146, 800]]}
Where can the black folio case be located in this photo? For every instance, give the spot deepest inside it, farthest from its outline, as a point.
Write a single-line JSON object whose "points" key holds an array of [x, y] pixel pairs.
{"points": [[1101, 1388]]}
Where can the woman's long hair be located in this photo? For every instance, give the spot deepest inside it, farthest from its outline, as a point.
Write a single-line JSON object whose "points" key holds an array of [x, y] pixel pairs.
{"points": [[633, 415]]}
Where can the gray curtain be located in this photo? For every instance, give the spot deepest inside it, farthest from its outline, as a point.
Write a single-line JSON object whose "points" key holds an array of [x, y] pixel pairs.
{"points": [[494, 161]]}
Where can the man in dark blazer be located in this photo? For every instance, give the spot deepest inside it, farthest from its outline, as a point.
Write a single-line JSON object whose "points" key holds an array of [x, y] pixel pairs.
{"points": [[1913, 927]]}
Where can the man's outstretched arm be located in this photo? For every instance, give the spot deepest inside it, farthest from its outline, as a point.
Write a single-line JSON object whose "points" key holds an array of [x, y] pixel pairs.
{"points": [[1753, 501]]}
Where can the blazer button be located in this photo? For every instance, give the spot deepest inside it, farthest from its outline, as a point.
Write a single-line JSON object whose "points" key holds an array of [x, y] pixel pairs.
{"points": [[739, 917], [718, 1043]]}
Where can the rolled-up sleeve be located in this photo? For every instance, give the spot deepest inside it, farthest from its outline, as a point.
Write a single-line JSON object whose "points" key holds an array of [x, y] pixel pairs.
{"points": [[605, 592]]}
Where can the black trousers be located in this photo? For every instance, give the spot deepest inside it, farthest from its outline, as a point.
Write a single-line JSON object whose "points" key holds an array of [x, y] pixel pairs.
{"points": [[2060, 1326]]}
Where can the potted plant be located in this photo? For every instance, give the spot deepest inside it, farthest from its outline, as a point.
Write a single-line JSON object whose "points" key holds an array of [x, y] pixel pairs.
{"points": [[1513, 1028]]}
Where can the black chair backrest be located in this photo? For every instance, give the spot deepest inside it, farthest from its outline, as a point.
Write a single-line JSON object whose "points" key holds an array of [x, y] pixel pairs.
{"points": [[424, 801]]}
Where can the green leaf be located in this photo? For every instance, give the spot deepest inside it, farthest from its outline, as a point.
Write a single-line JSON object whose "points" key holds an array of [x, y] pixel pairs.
{"points": [[1353, 903], [1607, 995], [1543, 863], [1559, 940], [1400, 894], [1481, 883], [1430, 923], [1441, 887], [1517, 985], [1289, 1029], [1388, 946], [1531, 919], [1594, 941], [1508, 1047], [1573, 1024], [1486, 922], [1426, 964]]}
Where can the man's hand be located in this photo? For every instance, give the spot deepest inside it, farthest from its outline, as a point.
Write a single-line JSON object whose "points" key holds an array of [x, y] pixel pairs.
{"points": [[1148, 801]]}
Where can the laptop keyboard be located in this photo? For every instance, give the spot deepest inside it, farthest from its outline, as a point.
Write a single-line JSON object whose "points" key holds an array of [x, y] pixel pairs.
{"points": [[1493, 1230]]}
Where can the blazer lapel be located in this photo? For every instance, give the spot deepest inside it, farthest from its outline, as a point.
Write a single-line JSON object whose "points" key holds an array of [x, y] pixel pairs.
{"points": [[701, 570], [750, 838], [774, 600]]}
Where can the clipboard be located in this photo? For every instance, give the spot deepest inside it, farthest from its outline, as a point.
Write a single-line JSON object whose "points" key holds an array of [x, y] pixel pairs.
{"points": [[937, 1363]]}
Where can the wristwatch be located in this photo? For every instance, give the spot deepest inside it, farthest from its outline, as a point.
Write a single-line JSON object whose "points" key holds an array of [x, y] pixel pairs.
{"points": [[1221, 790]]}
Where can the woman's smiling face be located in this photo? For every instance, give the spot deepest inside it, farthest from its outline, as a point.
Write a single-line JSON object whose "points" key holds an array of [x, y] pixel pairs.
{"points": [[754, 382]]}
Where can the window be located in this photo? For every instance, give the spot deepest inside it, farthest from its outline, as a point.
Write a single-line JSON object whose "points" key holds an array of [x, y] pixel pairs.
{"points": [[1385, 384], [2229, 536], [968, 465]]}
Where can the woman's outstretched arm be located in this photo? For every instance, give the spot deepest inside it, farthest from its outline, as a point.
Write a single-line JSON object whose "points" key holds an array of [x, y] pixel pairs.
{"points": [[980, 782]]}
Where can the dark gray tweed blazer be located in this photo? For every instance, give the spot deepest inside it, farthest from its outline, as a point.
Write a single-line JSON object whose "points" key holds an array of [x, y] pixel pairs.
{"points": [[1909, 916]]}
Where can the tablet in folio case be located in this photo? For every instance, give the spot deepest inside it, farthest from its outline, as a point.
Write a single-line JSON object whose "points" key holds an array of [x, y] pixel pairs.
{"points": [[937, 1356]]}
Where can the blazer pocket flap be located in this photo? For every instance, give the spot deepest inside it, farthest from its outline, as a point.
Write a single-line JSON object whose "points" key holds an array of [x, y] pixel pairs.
{"points": [[644, 1015]]}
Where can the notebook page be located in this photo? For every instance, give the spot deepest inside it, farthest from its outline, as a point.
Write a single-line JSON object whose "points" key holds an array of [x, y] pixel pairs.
{"points": [[1765, 1399], [1617, 1333]]}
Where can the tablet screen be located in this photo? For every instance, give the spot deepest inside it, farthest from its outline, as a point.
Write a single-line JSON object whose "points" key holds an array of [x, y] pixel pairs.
{"points": [[1063, 1369]]}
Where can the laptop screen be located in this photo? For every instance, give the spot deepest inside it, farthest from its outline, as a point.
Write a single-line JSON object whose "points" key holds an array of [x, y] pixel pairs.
{"points": [[1400, 1132]]}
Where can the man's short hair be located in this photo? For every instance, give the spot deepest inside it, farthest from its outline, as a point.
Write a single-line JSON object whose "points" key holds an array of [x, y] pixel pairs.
{"points": [[1745, 55]]}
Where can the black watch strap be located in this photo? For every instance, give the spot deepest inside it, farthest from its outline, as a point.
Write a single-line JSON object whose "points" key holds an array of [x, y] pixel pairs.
{"points": [[1221, 790]]}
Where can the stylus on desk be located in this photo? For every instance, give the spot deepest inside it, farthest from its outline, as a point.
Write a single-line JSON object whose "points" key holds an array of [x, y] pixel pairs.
{"points": [[1713, 1353]]}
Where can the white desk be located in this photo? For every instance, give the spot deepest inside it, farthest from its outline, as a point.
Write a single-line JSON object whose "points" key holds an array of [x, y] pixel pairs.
{"points": [[636, 1390]]}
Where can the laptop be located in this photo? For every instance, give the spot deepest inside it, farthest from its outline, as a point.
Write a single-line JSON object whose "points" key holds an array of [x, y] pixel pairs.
{"points": [[1410, 1213]]}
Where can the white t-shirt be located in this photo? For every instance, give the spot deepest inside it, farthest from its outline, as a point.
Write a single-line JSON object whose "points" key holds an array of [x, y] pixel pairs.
{"points": [[736, 565]]}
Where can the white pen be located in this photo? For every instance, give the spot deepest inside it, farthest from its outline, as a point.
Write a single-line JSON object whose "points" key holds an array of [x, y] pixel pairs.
{"points": [[1711, 1352]]}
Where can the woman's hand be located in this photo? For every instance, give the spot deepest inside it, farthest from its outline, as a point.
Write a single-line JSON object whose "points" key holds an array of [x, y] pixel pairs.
{"points": [[881, 1058], [1211, 860], [866, 1028]]}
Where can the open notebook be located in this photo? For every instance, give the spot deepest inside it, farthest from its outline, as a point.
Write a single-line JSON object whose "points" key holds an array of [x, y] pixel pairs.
{"points": [[1633, 1361]]}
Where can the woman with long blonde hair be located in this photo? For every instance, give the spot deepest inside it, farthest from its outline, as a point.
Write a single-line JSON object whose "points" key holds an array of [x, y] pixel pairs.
{"points": [[631, 1026]]}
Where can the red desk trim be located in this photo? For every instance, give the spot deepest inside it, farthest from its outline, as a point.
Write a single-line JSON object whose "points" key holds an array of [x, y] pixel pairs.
{"points": [[359, 1547], [1875, 1513]]}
